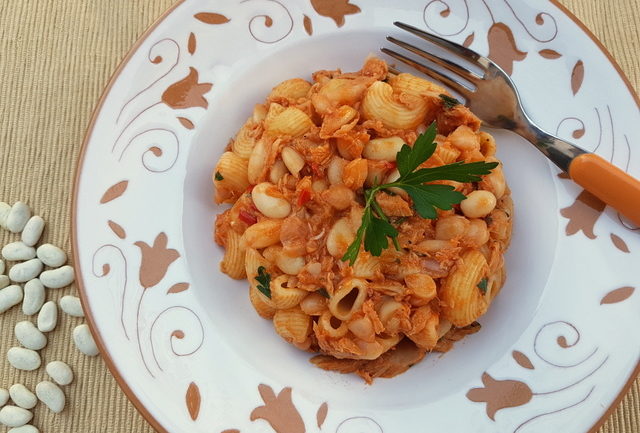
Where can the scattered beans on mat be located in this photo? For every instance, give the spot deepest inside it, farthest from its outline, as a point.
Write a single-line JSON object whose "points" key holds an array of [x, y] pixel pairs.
{"points": [[25, 271], [22, 397], [18, 217], [4, 396], [84, 341], [60, 372], [57, 278], [32, 231], [48, 317], [4, 281], [18, 251], [4, 213], [10, 296], [72, 306], [27, 428], [51, 395]]}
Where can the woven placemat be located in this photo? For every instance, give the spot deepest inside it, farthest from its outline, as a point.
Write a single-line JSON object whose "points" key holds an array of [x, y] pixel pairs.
{"points": [[56, 57]]}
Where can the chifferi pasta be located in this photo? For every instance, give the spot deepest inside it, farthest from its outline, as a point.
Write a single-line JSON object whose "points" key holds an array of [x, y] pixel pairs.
{"points": [[294, 176]]}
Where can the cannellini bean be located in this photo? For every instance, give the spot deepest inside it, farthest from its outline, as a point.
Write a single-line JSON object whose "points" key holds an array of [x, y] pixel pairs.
{"points": [[451, 227], [51, 255], [22, 397], [10, 296], [293, 160], [335, 170], [18, 251], [4, 396], [72, 306], [57, 278], [290, 265], [383, 149], [263, 234], [60, 372], [29, 336], [339, 196], [268, 199], [339, 237], [23, 359], [2, 266], [51, 395], [25, 271], [14, 416], [33, 230], [18, 217], [27, 428], [478, 204], [48, 317], [33, 297], [4, 213], [84, 341], [4, 281], [278, 169]]}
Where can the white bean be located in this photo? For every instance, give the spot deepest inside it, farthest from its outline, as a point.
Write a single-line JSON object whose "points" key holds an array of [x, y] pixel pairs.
{"points": [[2, 266], [51, 255], [4, 213], [84, 341], [29, 336], [25, 271], [27, 428], [48, 317], [383, 149], [10, 296], [4, 396], [4, 281], [51, 395], [18, 251], [22, 397], [293, 160], [18, 217], [57, 278], [23, 359], [14, 416], [33, 230], [478, 204], [72, 306], [270, 201], [60, 372], [33, 297]]}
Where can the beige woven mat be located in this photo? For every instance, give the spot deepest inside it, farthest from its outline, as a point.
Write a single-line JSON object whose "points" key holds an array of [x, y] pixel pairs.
{"points": [[55, 58]]}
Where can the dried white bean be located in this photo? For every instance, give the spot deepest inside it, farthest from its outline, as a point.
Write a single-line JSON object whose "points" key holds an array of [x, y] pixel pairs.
{"points": [[4, 213], [72, 306], [33, 230], [57, 278], [51, 255], [14, 416], [51, 395], [4, 281], [29, 336], [22, 397], [10, 296], [1, 266], [60, 372], [4, 396], [18, 251], [84, 341], [48, 317], [18, 217], [27, 428], [33, 297], [25, 271], [23, 359]]}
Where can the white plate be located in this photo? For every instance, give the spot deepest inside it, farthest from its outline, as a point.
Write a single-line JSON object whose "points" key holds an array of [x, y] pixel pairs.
{"points": [[555, 349]]}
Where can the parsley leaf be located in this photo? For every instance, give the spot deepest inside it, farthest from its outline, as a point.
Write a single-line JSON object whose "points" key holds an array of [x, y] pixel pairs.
{"points": [[264, 280], [448, 101], [482, 285], [376, 229], [218, 176]]}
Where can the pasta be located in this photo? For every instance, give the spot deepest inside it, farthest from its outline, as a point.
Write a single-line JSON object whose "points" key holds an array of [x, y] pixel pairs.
{"points": [[294, 176]]}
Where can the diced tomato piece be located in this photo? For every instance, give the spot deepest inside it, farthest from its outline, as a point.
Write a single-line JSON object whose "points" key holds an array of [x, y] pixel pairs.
{"points": [[315, 167], [304, 197], [391, 165], [247, 218]]}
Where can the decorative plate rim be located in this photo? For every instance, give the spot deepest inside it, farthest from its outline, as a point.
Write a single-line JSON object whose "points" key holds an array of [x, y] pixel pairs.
{"points": [[155, 424]]}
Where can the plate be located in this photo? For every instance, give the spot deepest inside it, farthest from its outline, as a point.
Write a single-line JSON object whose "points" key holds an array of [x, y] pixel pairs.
{"points": [[181, 337]]}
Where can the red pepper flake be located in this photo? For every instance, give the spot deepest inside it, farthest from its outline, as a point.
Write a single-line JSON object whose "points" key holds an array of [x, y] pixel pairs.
{"points": [[247, 218], [391, 165], [315, 167], [304, 197]]}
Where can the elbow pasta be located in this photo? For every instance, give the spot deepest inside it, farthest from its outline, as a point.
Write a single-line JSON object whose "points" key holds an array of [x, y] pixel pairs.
{"points": [[294, 176]]}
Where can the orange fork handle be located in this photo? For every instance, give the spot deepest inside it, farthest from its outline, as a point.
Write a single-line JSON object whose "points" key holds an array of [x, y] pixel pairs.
{"points": [[607, 182]]}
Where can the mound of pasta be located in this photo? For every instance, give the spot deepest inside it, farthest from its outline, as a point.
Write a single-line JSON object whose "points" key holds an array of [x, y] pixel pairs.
{"points": [[345, 255]]}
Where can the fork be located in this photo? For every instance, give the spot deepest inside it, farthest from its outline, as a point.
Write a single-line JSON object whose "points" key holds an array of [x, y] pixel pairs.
{"points": [[495, 100]]}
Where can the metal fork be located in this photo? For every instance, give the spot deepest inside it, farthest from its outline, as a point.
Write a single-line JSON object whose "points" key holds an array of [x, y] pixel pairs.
{"points": [[495, 100]]}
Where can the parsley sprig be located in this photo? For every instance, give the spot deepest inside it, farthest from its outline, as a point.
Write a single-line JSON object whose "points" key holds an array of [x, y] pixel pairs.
{"points": [[264, 282], [449, 101], [376, 229]]}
